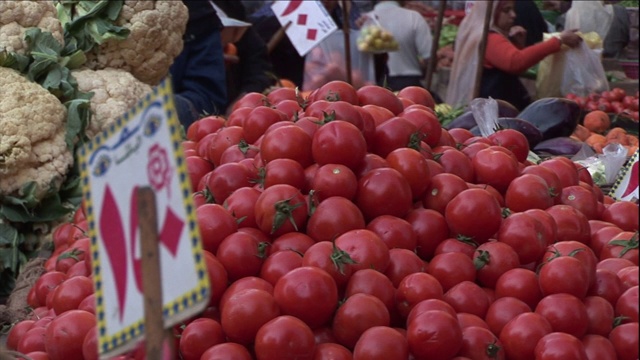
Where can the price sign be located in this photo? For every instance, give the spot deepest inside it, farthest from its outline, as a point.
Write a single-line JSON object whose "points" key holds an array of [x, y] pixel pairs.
{"points": [[141, 149], [310, 22], [626, 185]]}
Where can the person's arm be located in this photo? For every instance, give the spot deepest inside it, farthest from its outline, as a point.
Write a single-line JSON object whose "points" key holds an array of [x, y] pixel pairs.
{"points": [[503, 55], [424, 40], [254, 63]]}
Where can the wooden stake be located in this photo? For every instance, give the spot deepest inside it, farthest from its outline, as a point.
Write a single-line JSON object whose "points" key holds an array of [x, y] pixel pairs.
{"points": [[155, 333], [483, 48], [347, 42], [277, 37], [433, 60]]}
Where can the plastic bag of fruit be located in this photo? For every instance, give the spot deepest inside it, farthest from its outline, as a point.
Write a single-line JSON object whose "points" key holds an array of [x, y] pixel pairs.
{"points": [[374, 38]]}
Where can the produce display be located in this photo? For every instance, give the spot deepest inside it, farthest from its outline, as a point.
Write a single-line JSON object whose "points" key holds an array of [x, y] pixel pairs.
{"points": [[351, 224], [346, 222]]}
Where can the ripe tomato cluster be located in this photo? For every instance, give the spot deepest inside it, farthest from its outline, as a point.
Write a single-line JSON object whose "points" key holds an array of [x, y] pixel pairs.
{"points": [[350, 225], [614, 101]]}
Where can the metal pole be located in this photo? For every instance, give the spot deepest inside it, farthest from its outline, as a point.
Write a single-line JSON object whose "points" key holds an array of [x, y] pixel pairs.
{"points": [[347, 41], [483, 48], [433, 60]]}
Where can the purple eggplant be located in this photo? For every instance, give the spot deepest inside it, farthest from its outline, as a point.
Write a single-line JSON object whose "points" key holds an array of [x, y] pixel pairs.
{"points": [[554, 117], [559, 146]]}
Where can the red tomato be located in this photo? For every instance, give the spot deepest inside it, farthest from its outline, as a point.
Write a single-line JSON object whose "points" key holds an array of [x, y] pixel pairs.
{"points": [[600, 313], [468, 297], [219, 141], [308, 293], [33, 340], [259, 119], [564, 168], [365, 248], [218, 277], [627, 305], [494, 167], [88, 304], [17, 332], [249, 282], [451, 269], [377, 95], [381, 343], [598, 347], [549, 176], [337, 90], [418, 95], [624, 245], [334, 180], [90, 345], [492, 259], [394, 231], [528, 191], [290, 142], [413, 167], [430, 228], [629, 276], [278, 264], [333, 260], [443, 188], [455, 162], [358, 313], [623, 214], [474, 213], [242, 255], [429, 305], [525, 234], [426, 123], [480, 343], [245, 312], [378, 113], [558, 345], [403, 262], [339, 142], [284, 337], [250, 100], [392, 134], [331, 351], [414, 288], [65, 335], [241, 203], [607, 285], [601, 237], [580, 198], [46, 283], [283, 171], [239, 152], [383, 191], [295, 241], [572, 224], [372, 282], [565, 312], [215, 223], [513, 140], [574, 249], [198, 336], [624, 339], [461, 245], [333, 217], [69, 294], [281, 209], [227, 350], [434, 334], [564, 274], [502, 310], [521, 284], [520, 335]]}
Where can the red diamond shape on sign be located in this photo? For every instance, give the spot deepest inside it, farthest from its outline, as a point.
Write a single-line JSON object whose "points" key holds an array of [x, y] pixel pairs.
{"points": [[302, 19], [311, 34]]}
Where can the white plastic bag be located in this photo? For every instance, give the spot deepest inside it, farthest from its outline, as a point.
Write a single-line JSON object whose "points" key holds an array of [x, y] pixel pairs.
{"points": [[587, 16], [583, 72], [486, 113], [374, 38]]}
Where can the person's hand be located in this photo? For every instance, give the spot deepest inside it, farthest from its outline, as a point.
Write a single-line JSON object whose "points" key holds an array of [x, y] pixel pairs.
{"points": [[570, 38], [518, 36], [361, 20]]}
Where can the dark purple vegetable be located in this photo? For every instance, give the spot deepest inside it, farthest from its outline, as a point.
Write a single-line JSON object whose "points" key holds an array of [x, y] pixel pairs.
{"points": [[533, 135], [559, 146], [467, 121], [554, 117]]}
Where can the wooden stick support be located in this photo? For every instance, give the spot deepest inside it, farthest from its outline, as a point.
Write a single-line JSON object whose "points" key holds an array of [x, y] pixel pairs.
{"points": [[483, 48], [347, 41], [277, 37], [156, 336], [433, 60]]}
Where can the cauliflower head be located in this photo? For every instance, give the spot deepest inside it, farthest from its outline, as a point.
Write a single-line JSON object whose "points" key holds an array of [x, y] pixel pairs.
{"points": [[18, 15], [32, 136], [155, 40], [115, 91]]}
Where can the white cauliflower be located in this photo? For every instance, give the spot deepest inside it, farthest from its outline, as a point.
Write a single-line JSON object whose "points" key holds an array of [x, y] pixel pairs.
{"points": [[115, 92], [154, 42], [32, 136], [17, 16]]}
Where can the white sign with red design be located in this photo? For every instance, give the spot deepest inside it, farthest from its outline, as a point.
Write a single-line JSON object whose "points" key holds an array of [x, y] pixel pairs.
{"points": [[310, 22], [626, 185], [142, 149]]}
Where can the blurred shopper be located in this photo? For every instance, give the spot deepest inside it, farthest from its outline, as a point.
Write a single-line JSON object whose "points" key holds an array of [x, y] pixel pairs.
{"points": [[530, 18], [198, 73], [407, 65], [505, 57]]}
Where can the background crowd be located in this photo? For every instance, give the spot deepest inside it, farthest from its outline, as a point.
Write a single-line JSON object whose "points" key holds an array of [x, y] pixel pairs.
{"points": [[207, 81]]}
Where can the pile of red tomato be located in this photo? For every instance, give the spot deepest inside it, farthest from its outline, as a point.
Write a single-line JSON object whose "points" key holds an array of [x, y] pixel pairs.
{"points": [[614, 101], [350, 225]]}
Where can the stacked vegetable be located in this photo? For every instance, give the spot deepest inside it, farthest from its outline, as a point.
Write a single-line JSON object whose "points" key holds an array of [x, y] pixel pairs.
{"points": [[352, 225], [69, 69]]}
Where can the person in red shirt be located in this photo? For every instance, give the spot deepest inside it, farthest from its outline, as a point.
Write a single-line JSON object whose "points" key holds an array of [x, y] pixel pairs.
{"points": [[506, 56]]}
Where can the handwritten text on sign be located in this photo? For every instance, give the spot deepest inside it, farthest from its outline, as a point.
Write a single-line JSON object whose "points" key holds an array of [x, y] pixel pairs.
{"points": [[143, 148], [310, 22]]}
